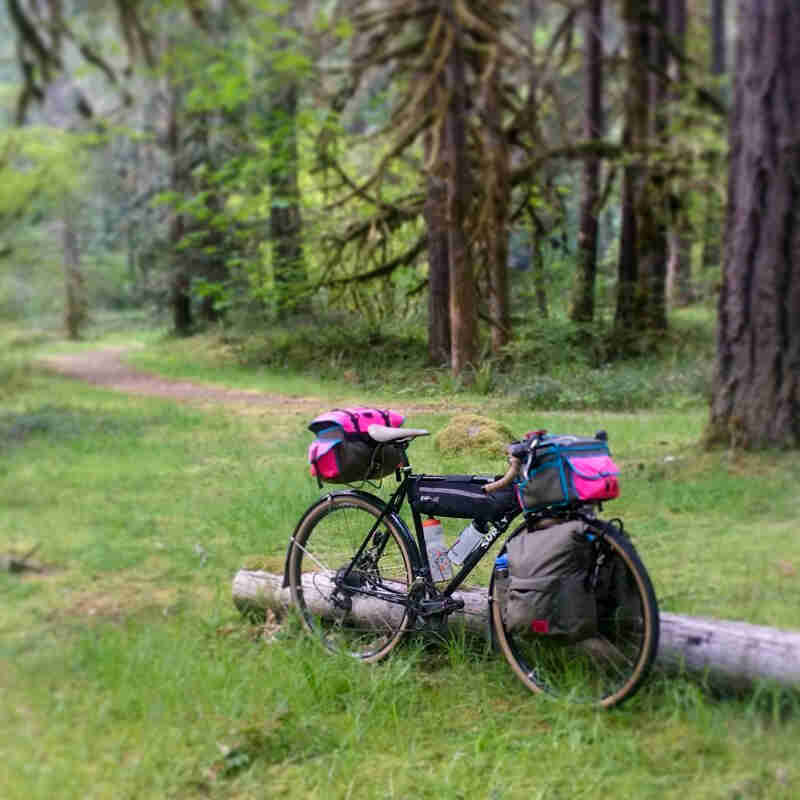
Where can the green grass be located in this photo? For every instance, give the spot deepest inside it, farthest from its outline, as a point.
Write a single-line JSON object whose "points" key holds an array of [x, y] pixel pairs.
{"points": [[126, 672]]}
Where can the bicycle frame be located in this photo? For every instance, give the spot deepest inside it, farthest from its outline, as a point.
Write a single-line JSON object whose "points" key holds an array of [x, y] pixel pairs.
{"points": [[419, 552], [494, 532]]}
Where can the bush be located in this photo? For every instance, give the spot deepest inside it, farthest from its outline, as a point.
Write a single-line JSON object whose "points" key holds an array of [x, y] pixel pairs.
{"points": [[550, 364], [334, 345], [472, 433]]}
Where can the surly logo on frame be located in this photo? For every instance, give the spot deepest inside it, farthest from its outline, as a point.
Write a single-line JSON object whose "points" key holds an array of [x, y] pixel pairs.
{"points": [[488, 538]]}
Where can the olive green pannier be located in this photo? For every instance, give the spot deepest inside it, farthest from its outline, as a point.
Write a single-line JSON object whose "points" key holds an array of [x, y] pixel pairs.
{"points": [[549, 591]]}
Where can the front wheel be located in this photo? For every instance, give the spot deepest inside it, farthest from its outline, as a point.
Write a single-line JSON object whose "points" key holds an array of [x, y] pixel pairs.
{"points": [[355, 605], [608, 667]]}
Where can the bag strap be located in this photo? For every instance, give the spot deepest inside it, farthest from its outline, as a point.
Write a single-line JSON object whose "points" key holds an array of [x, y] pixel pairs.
{"points": [[355, 417]]}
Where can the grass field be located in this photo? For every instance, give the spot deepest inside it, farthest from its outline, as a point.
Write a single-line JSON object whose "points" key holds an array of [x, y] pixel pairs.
{"points": [[125, 671]]}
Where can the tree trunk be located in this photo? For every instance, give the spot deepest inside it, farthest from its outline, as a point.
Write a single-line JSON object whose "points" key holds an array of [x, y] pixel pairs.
{"points": [[58, 110], [583, 297], [435, 214], [654, 289], [643, 254], [756, 390], [285, 223], [438, 271], [629, 318], [627, 263], [540, 279], [180, 298], [76, 308], [718, 38], [498, 188], [210, 252], [728, 654], [537, 263], [463, 307], [679, 265]]}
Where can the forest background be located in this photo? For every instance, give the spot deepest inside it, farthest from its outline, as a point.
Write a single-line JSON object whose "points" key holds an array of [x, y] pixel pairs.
{"points": [[484, 186], [552, 210]]}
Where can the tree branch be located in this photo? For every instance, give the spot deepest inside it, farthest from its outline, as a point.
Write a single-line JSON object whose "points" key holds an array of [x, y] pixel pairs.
{"points": [[385, 269]]}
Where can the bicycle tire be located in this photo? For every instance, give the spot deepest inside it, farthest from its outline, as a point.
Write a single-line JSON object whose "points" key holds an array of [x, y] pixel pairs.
{"points": [[605, 669], [338, 609]]}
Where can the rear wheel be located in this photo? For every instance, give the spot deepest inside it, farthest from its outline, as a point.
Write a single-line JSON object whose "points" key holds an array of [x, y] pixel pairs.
{"points": [[355, 607], [606, 668]]}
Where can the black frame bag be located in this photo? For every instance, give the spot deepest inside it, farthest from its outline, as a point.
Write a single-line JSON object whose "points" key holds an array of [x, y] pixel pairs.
{"points": [[460, 496]]}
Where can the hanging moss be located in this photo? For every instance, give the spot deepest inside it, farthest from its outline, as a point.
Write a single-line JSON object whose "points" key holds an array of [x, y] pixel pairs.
{"points": [[474, 434]]}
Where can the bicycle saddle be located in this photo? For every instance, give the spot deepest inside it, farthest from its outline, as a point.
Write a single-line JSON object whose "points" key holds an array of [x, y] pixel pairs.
{"points": [[382, 433]]}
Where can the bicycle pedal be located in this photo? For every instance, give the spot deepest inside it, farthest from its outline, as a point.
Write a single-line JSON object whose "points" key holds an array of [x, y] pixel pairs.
{"points": [[442, 605]]}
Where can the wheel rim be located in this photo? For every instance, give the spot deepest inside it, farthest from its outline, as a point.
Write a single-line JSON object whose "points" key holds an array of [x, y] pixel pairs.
{"points": [[350, 608], [602, 669]]}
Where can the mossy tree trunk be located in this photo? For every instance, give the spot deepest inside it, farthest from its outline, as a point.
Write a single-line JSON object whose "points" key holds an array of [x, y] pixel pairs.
{"points": [[641, 308], [435, 214], [756, 389], [463, 309], [498, 189], [582, 309], [180, 297], [76, 305], [679, 266], [438, 271], [285, 221]]}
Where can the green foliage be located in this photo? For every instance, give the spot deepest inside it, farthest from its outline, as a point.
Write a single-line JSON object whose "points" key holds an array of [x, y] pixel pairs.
{"points": [[31, 276], [552, 363], [332, 345], [556, 363], [14, 377], [37, 167]]}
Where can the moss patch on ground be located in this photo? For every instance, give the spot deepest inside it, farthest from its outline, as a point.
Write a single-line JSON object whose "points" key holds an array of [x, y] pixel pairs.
{"points": [[473, 433]]}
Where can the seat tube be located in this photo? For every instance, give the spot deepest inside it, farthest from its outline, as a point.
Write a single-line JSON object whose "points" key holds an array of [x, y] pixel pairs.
{"points": [[421, 546]]}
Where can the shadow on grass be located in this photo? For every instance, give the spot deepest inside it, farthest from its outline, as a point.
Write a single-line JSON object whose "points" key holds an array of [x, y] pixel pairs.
{"points": [[65, 423]]}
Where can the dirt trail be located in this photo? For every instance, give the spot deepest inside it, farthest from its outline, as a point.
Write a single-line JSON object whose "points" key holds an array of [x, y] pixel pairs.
{"points": [[108, 369]]}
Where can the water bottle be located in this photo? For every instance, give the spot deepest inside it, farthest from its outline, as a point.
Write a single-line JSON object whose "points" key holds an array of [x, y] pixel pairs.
{"points": [[501, 567], [441, 570], [501, 581], [467, 541]]}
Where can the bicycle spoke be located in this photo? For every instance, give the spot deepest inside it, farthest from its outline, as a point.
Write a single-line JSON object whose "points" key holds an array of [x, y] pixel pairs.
{"points": [[322, 566], [331, 555]]}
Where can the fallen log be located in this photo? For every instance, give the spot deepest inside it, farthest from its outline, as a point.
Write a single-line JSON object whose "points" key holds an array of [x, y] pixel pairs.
{"points": [[253, 592], [735, 655]]}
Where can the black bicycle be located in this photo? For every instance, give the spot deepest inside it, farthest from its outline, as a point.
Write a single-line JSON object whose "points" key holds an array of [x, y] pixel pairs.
{"points": [[361, 581]]}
